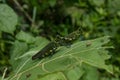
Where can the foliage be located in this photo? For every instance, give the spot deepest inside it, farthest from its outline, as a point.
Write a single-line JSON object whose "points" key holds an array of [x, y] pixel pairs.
{"points": [[64, 59], [26, 26]]}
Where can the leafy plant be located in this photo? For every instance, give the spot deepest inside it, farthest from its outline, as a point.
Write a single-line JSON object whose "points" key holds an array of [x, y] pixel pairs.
{"points": [[58, 65], [38, 21], [8, 21]]}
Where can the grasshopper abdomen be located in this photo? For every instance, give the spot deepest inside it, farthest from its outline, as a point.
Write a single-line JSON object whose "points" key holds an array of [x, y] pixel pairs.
{"points": [[49, 49]]}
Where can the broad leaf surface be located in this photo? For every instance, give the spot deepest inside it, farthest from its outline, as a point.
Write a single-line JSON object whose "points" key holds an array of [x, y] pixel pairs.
{"points": [[54, 76], [8, 19], [74, 73], [26, 37], [90, 52], [90, 73], [20, 51]]}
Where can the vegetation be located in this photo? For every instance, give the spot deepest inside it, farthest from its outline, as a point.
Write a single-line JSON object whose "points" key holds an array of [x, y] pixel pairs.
{"points": [[27, 26]]}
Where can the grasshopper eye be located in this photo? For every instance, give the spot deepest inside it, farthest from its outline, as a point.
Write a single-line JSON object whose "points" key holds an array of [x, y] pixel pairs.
{"points": [[46, 54], [70, 39], [43, 55], [51, 51]]}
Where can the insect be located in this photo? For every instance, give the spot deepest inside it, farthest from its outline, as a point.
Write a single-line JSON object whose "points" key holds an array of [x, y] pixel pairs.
{"points": [[69, 39], [46, 51], [50, 48]]}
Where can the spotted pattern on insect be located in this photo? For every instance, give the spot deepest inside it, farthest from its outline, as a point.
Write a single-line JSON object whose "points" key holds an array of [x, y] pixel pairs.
{"points": [[50, 50], [46, 51], [43, 56], [69, 39], [54, 48]]}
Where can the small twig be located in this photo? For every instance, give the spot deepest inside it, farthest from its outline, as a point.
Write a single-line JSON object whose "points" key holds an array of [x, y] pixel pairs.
{"points": [[21, 8], [4, 74], [34, 14]]}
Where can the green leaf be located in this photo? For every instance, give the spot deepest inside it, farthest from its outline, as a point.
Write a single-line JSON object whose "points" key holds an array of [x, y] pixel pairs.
{"points": [[18, 49], [97, 2], [90, 73], [23, 36], [113, 6], [8, 19], [75, 73], [90, 52], [54, 76], [20, 52], [52, 3]]}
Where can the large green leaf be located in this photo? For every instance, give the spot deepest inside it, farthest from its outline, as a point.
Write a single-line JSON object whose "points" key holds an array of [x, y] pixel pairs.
{"points": [[91, 52], [8, 19], [74, 73], [90, 73], [19, 50]]}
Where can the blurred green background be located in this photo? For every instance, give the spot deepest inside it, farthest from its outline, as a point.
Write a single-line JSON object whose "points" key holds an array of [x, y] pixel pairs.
{"points": [[49, 18]]}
